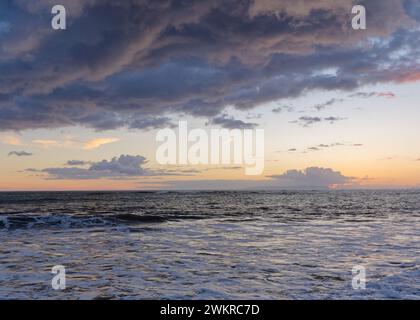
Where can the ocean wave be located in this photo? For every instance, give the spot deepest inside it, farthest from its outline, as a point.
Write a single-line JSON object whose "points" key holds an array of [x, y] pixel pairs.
{"points": [[17, 221]]}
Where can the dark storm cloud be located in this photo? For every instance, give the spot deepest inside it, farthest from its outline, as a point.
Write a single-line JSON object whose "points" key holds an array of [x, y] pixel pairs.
{"points": [[137, 63]]}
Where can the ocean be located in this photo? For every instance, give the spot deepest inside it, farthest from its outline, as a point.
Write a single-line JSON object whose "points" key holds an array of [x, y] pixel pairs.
{"points": [[210, 245]]}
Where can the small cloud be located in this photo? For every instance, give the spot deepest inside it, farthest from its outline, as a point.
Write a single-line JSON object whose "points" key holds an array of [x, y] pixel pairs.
{"points": [[20, 154], [332, 145], [313, 149], [324, 105], [389, 158], [333, 119], [251, 116], [292, 150], [230, 123], [77, 163], [306, 121], [365, 95], [362, 95], [388, 95], [182, 172], [281, 109], [96, 143]]}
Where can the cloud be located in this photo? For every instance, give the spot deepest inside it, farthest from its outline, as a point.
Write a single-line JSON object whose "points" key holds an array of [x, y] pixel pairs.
{"points": [[334, 119], [98, 142], [307, 121], [230, 123], [77, 163], [324, 146], [251, 116], [124, 167], [218, 184], [137, 63], [389, 95], [331, 145], [312, 177], [151, 123], [20, 154], [330, 102], [282, 108]]}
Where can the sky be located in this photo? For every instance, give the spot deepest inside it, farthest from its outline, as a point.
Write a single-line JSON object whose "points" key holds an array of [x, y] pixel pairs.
{"points": [[80, 108]]}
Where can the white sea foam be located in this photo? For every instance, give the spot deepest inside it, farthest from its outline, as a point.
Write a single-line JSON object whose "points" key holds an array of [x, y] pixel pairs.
{"points": [[236, 245]]}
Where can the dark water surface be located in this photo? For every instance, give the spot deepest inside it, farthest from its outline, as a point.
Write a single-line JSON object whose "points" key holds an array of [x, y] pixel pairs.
{"points": [[206, 245]]}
